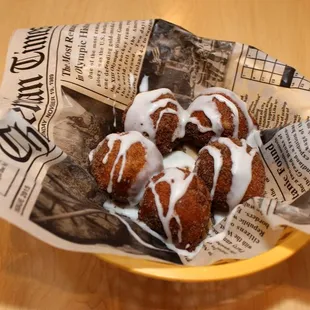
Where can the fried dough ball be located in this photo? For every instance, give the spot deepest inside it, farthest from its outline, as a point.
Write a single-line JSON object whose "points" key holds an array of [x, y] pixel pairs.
{"points": [[176, 205], [158, 116], [218, 113], [123, 163], [233, 172]]}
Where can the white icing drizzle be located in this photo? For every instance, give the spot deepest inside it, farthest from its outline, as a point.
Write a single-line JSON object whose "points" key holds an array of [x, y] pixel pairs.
{"points": [[162, 113], [132, 213], [240, 103], [128, 211], [135, 235], [190, 151], [241, 170], [217, 164], [179, 159], [91, 155], [177, 218], [144, 85], [153, 164], [206, 104], [209, 108], [171, 246], [253, 139], [179, 184], [183, 119], [138, 116]]}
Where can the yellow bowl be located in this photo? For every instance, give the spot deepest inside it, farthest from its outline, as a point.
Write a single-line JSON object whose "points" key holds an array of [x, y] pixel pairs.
{"points": [[288, 245]]}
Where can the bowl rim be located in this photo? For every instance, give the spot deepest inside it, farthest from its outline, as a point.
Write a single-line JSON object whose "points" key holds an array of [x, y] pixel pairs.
{"points": [[156, 270]]}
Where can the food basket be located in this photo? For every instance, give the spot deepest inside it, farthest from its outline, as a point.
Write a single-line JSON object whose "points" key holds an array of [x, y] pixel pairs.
{"points": [[65, 89]]}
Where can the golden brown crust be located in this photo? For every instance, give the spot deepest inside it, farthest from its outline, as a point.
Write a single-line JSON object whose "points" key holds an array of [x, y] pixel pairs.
{"points": [[201, 139], [256, 188], [205, 170], [243, 125], [166, 127], [194, 135], [135, 161], [193, 210]]}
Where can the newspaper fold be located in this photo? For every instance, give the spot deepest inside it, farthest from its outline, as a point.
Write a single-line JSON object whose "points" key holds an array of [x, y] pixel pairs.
{"points": [[63, 91]]}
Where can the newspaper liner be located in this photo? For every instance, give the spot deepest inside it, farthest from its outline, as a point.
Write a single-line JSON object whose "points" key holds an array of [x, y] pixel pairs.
{"points": [[67, 86]]}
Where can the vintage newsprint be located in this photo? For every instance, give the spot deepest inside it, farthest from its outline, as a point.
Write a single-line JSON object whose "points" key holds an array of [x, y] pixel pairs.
{"points": [[64, 89]]}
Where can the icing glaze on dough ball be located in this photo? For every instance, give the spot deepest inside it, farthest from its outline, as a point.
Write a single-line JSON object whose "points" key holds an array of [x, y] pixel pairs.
{"points": [[176, 204], [123, 163], [218, 112], [159, 117], [232, 171]]}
